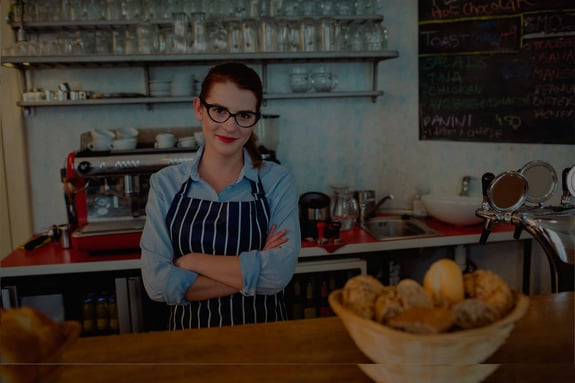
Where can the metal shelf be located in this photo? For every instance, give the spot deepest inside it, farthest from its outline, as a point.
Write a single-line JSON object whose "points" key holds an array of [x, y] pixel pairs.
{"points": [[188, 99], [38, 62]]}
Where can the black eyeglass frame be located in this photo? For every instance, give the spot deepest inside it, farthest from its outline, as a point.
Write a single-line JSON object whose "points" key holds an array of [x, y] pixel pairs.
{"points": [[230, 114]]}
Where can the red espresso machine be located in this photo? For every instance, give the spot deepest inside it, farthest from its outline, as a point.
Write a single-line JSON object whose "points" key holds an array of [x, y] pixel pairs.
{"points": [[106, 194]]}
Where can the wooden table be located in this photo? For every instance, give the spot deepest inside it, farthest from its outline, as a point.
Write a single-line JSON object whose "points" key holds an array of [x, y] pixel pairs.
{"points": [[540, 348]]}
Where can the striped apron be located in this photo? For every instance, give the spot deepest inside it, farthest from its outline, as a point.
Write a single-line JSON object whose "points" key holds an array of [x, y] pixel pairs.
{"points": [[224, 228]]}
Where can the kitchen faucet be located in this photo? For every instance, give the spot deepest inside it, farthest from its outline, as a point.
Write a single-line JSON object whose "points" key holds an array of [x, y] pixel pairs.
{"points": [[382, 201], [465, 186]]}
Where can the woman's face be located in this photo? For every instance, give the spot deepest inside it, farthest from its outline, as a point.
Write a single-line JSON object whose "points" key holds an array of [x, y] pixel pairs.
{"points": [[226, 138]]}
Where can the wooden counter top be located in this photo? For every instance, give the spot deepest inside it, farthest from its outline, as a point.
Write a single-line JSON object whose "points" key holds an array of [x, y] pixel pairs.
{"points": [[540, 348]]}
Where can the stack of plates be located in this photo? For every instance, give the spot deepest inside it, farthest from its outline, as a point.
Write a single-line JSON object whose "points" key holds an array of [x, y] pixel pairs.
{"points": [[182, 85], [160, 88]]}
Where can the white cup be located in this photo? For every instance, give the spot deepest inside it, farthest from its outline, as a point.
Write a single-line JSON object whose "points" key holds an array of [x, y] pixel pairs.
{"points": [[102, 134], [187, 142], [100, 144], [199, 136], [127, 132], [124, 144], [165, 140]]}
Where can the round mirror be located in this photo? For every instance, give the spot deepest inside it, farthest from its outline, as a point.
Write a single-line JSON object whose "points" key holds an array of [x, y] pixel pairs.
{"points": [[507, 191], [542, 181], [570, 181]]}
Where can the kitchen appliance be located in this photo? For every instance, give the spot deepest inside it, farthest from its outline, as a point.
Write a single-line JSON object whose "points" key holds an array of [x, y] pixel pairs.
{"points": [[313, 208], [106, 194]]}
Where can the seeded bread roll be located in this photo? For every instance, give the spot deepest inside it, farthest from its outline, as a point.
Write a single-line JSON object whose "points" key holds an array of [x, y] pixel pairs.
{"points": [[444, 283], [472, 313], [412, 294], [359, 294], [423, 320], [387, 305], [487, 286]]}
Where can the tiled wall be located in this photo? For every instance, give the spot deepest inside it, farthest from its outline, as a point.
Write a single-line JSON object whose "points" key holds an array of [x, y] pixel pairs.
{"points": [[323, 141]]}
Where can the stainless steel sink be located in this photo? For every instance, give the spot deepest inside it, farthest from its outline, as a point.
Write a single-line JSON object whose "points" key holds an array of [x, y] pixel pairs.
{"points": [[388, 228]]}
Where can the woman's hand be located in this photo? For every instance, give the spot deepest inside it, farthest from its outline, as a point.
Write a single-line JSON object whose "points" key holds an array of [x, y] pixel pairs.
{"points": [[275, 240]]}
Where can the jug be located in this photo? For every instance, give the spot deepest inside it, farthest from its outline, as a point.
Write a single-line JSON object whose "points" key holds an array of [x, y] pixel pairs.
{"points": [[345, 208]]}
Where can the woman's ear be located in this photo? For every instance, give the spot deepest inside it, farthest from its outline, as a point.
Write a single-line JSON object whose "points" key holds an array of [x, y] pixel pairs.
{"points": [[197, 108]]}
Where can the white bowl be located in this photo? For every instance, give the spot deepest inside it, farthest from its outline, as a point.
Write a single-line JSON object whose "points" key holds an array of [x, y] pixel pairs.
{"points": [[455, 209]]}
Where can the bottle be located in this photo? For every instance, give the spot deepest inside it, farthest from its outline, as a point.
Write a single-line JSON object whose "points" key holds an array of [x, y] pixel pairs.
{"points": [[102, 320], [113, 314], [310, 309], [88, 315], [297, 307], [324, 309]]}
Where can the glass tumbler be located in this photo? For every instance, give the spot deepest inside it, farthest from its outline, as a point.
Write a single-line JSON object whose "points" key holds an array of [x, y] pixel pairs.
{"points": [[235, 37], [181, 30], [250, 35], [327, 34], [268, 38], [309, 35], [199, 34]]}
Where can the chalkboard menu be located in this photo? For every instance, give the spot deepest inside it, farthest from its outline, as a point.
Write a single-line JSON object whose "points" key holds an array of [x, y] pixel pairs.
{"points": [[497, 71]]}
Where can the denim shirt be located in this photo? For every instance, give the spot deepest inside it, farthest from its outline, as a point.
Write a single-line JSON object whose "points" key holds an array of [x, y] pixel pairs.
{"points": [[263, 272]]}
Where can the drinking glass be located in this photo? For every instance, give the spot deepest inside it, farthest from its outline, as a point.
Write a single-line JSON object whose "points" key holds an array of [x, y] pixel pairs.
{"points": [[131, 41], [299, 80], [198, 21], [113, 10], [250, 35], [309, 34], [375, 36], [268, 38], [217, 36], [327, 34], [146, 36], [180, 28], [131, 9], [344, 7], [235, 37]]}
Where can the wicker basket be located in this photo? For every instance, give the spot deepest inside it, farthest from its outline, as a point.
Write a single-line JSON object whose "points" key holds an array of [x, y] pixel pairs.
{"points": [[405, 357]]}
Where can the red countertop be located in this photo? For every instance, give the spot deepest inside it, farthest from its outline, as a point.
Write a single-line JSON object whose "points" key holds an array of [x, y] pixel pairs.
{"points": [[51, 258]]}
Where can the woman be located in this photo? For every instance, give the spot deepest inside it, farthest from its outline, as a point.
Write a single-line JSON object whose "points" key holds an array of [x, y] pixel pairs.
{"points": [[222, 233]]}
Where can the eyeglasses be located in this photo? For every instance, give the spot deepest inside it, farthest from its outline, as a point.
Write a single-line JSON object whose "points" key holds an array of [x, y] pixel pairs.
{"points": [[219, 114]]}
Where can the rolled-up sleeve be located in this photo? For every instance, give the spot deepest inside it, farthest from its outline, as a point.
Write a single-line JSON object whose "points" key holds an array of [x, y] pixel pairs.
{"points": [[269, 271], [163, 281]]}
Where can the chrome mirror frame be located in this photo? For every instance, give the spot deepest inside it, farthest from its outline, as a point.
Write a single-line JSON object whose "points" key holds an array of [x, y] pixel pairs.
{"points": [[539, 173], [508, 191]]}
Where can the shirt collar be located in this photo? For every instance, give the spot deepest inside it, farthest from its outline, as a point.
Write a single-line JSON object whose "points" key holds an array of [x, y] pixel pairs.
{"points": [[248, 170]]}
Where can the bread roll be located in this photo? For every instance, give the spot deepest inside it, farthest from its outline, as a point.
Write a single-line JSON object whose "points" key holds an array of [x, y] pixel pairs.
{"points": [[423, 320], [472, 313], [489, 287], [387, 305], [444, 283], [412, 294], [28, 336], [360, 291]]}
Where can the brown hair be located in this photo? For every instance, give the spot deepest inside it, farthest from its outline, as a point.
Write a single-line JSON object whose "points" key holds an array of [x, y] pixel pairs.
{"points": [[245, 78]]}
